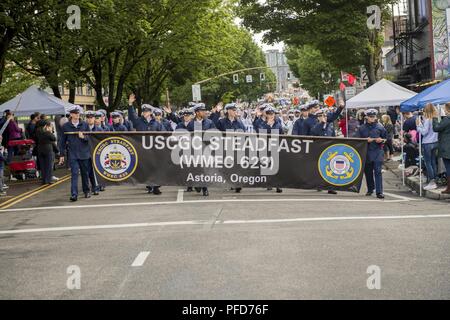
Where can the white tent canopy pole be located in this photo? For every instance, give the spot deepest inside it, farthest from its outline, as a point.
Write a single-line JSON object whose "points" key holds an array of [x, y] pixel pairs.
{"points": [[420, 165], [402, 144]]}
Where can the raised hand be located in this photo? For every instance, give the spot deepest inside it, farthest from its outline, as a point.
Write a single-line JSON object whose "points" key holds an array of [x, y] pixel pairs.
{"points": [[167, 109], [219, 106], [131, 99]]}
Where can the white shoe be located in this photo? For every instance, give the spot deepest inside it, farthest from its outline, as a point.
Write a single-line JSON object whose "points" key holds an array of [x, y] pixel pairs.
{"points": [[55, 178], [431, 186], [5, 186]]}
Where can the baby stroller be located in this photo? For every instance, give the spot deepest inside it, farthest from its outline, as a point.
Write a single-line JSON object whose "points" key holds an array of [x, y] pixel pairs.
{"points": [[22, 165]]}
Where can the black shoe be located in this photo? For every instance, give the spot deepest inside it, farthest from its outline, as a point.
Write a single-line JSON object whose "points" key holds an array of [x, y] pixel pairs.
{"points": [[380, 196], [332, 192], [238, 190], [156, 191], [279, 190], [101, 189], [189, 189], [87, 195], [96, 193], [206, 193], [73, 198], [149, 189], [198, 190], [369, 194], [269, 189]]}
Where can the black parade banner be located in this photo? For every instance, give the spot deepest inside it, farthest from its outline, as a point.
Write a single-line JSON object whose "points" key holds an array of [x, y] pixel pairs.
{"points": [[228, 159]]}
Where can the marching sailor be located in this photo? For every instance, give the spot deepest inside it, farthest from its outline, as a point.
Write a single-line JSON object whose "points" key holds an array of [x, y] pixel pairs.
{"points": [[144, 123], [79, 152], [116, 125], [299, 125], [376, 136], [231, 123], [200, 122], [270, 126]]}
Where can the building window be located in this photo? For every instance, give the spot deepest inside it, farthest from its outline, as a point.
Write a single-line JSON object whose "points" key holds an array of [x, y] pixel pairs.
{"points": [[89, 90], [289, 76], [420, 12], [79, 89]]}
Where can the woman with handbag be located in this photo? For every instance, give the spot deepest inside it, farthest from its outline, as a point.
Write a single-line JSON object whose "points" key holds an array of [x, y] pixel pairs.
{"points": [[46, 151]]}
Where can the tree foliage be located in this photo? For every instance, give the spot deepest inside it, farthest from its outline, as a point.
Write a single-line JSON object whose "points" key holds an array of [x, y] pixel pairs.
{"points": [[308, 64], [144, 46], [337, 28]]}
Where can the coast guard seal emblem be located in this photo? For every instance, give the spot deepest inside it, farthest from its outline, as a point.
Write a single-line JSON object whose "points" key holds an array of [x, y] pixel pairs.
{"points": [[115, 159], [340, 165]]}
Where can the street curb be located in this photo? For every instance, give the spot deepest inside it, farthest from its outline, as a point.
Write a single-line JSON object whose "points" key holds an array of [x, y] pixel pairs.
{"points": [[414, 184]]}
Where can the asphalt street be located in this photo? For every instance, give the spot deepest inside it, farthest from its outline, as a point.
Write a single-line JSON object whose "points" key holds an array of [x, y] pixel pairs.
{"points": [[255, 245]]}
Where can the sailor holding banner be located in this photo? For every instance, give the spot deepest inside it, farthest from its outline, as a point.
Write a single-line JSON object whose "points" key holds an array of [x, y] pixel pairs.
{"points": [[231, 123], [376, 136], [201, 123], [79, 151], [144, 123]]}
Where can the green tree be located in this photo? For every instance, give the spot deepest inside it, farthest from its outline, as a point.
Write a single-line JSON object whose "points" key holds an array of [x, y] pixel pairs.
{"points": [[337, 28], [308, 64], [15, 81], [13, 16]]}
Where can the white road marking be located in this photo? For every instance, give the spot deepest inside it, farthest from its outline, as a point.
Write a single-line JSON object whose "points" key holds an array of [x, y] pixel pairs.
{"points": [[396, 196], [203, 222], [140, 259], [180, 195], [146, 204]]}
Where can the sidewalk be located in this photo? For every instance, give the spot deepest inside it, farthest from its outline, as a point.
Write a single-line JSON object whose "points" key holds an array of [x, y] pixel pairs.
{"points": [[414, 183]]}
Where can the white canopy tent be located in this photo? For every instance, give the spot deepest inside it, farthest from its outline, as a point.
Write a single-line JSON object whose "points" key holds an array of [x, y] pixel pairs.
{"points": [[36, 100], [384, 93]]}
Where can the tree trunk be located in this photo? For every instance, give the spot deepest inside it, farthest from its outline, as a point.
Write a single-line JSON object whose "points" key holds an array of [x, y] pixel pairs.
{"points": [[4, 46], [72, 91], [56, 91], [97, 84]]}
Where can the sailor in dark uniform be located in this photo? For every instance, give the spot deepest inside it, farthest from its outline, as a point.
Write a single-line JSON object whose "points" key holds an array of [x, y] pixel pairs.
{"points": [[231, 122], [145, 122], [105, 126], [125, 122], [79, 152], [200, 122], [96, 186], [270, 126], [116, 125], [185, 118], [376, 136], [299, 125]]}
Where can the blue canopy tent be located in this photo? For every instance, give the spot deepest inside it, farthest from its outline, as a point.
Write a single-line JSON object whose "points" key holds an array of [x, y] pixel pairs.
{"points": [[437, 94]]}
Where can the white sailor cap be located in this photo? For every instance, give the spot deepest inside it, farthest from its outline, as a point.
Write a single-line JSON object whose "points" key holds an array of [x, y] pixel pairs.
{"points": [[371, 112], [270, 109], [146, 107], [76, 109], [230, 106]]}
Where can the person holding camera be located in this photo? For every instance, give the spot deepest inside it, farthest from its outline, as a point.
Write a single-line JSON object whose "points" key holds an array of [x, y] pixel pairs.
{"points": [[429, 144], [443, 129]]}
